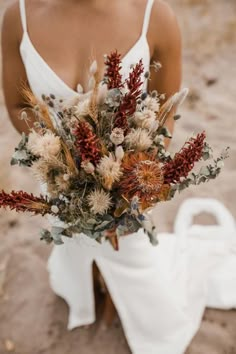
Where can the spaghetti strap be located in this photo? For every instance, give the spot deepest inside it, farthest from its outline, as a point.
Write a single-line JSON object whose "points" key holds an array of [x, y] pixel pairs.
{"points": [[147, 17], [23, 15]]}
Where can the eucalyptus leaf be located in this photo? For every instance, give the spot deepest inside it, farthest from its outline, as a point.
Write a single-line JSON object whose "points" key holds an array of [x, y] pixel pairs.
{"points": [[20, 155], [205, 171], [57, 233]]}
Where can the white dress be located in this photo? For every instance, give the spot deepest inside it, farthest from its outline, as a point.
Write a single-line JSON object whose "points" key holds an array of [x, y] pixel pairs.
{"points": [[155, 319]]}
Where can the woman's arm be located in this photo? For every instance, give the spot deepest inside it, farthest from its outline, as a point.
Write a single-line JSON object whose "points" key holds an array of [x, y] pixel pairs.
{"points": [[167, 49], [13, 72]]}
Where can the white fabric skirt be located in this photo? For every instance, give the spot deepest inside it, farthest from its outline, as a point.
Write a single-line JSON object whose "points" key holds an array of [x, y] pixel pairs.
{"points": [[159, 314]]}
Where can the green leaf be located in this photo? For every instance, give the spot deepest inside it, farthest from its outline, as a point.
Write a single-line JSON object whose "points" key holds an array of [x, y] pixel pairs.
{"points": [[205, 171]]}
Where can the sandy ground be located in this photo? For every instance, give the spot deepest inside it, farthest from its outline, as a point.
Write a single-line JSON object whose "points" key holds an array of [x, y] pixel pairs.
{"points": [[32, 319]]}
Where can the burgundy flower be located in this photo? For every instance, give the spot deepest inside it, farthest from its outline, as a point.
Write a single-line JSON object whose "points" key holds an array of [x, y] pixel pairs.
{"points": [[87, 143], [184, 160], [113, 67], [22, 201], [129, 102]]}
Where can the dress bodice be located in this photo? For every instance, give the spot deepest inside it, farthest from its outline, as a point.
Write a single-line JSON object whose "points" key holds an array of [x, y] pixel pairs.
{"points": [[43, 80]]}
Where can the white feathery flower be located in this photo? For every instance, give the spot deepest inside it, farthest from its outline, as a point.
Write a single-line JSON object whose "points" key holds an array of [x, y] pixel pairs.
{"points": [[152, 103], [93, 68], [99, 201], [119, 152], [79, 89], [146, 119], [82, 107], [180, 96], [138, 139], [91, 83], [110, 171], [44, 145], [117, 136]]}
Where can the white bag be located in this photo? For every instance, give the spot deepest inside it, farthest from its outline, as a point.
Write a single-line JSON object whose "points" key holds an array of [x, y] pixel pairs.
{"points": [[217, 242]]}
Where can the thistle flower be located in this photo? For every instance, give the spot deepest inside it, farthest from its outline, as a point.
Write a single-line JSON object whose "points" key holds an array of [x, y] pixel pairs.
{"points": [[138, 139], [143, 178], [87, 143], [44, 145], [146, 119], [22, 201], [184, 160], [117, 136], [99, 201], [110, 171]]}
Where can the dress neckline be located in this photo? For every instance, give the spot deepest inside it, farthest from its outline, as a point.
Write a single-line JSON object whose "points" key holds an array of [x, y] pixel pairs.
{"points": [[58, 78]]}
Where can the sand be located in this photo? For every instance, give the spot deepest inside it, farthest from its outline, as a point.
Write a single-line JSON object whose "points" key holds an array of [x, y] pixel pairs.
{"points": [[32, 319]]}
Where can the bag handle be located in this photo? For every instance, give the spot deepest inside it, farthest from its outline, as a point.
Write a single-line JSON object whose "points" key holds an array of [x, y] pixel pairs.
{"points": [[194, 206]]}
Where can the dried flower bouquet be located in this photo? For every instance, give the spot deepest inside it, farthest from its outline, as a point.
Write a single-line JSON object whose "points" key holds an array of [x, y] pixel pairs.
{"points": [[102, 157]]}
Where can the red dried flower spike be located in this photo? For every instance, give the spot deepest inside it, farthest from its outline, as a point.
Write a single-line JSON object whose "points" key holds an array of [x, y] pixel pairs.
{"points": [[112, 74], [129, 102], [184, 160], [87, 143], [22, 201]]}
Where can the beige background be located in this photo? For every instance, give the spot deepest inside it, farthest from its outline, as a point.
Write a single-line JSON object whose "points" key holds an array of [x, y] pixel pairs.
{"points": [[31, 317]]}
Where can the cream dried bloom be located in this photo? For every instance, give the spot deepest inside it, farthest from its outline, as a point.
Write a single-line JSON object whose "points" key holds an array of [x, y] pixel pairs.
{"points": [[88, 166], [99, 201], [82, 107], [152, 103], [138, 139], [117, 136], [119, 152], [146, 119], [110, 171], [44, 145]]}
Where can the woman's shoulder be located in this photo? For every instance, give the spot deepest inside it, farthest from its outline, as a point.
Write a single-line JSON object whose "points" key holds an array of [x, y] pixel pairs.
{"points": [[164, 26], [12, 23], [163, 14]]}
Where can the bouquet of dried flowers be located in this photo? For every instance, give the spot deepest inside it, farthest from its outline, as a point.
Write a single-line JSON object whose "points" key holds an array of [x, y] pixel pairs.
{"points": [[102, 157]]}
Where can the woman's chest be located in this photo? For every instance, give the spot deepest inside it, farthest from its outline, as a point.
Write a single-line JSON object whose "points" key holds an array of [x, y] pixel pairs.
{"points": [[68, 41]]}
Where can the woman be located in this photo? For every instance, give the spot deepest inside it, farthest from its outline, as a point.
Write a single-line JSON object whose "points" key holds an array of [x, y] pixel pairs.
{"points": [[49, 44]]}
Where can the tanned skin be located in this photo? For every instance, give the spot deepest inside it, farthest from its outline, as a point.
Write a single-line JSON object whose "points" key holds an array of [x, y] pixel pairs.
{"points": [[69, 33]]}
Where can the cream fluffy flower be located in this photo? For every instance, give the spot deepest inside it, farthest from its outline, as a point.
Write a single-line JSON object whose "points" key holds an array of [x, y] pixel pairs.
{"points": [[117, 136], [152, 103], [82, 107], [138, 139], [44, 145], [88, 166], [110, 171], [99, 201], [146, 119]]}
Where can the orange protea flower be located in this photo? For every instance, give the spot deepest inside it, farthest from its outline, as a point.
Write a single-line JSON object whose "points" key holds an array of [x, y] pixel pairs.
{"points": [[143, 177]]}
